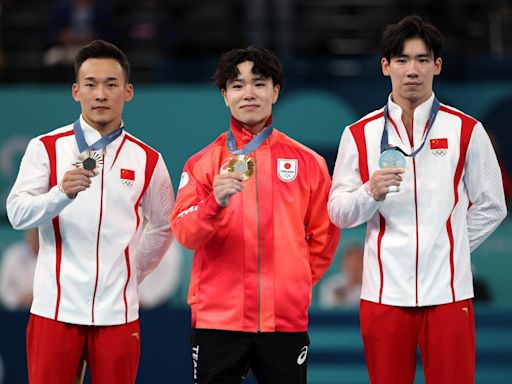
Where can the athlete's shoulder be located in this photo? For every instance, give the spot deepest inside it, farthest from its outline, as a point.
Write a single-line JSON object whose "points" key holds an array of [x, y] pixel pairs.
{"points": [[66, 130], [284, 139], [457, 112], [369, 117], [214, 147], [138, 142]]}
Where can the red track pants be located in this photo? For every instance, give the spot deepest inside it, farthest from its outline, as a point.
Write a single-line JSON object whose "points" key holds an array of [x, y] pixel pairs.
{"points": [[444, 333], [55, 351]]}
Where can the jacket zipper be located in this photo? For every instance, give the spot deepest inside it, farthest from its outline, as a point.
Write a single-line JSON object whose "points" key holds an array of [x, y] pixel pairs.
{"points": [[411, 140], [98, 240], [417, 232], [259, 245]]}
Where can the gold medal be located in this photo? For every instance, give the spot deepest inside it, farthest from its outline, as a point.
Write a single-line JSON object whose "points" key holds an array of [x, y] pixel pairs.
{"points": [[90, 160], [242, 165]]}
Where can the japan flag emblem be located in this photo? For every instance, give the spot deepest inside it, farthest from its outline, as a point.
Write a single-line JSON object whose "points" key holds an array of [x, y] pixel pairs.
{"points": [[287, 169]]}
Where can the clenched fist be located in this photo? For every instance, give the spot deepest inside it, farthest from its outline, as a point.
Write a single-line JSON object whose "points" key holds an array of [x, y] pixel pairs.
{"points": [[75, 181], [226, 185], [385, 180]]}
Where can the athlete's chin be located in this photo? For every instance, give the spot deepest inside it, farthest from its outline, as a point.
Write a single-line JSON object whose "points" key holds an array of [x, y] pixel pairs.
{"points": [[101, 121]]}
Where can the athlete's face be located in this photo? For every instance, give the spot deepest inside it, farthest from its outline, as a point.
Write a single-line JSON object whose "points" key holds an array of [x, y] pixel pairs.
{"points": [[250, 97], [102, 89], [412, 73]]}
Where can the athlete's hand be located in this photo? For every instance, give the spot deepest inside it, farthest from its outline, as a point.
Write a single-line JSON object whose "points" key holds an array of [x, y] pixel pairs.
{"points": [[383, 180], [75, 181], [226, 185]]}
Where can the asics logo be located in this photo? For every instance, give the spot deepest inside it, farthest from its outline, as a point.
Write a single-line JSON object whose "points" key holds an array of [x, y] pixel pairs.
{"points": [[303, 355]]}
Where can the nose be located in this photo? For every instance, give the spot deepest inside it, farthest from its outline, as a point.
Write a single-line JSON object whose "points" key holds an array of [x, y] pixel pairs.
{"points": [[100, 93], [412, 69], [249, 92]]}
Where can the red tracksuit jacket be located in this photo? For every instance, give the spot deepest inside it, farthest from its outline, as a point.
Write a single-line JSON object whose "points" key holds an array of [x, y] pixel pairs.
{"points": [[256, 260]]}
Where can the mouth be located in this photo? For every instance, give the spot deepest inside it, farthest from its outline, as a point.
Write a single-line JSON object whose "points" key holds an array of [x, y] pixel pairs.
{"points": [[100, 108], [249, 107], [412, 84]]}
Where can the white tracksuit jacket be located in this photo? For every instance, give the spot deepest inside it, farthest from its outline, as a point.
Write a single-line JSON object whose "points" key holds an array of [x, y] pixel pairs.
{"points": [[418, 240], [95, 249]]}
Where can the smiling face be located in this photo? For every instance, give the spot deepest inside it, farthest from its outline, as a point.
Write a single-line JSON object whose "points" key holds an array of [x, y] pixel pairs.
{"points": [[412, 73], [102, 89], [250, 97]]}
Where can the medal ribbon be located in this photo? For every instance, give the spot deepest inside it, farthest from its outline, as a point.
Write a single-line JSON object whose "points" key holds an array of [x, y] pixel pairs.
{"points": [[384, 142], [251, 145], [101, 143]]}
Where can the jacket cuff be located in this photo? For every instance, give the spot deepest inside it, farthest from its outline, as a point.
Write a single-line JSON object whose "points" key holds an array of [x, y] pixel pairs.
{"points": [[212, 209]]}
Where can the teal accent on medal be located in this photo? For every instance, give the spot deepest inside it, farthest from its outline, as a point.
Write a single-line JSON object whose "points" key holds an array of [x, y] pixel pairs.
{"points": [[391, 159]]}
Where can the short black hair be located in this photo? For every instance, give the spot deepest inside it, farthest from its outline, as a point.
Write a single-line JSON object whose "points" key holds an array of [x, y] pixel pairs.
{"points": [[412, 26], [100, 49], [265, 62]]}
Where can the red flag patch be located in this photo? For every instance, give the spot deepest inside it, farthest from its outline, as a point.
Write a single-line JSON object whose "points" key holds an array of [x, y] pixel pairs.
{"points": [[439, 143], [127, 174]]}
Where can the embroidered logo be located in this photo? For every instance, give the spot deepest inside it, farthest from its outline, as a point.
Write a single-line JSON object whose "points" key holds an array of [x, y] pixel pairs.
{"points": [[303, 355], [127, 177], [225, 165], [183, 180], [439, 147], [287, 169]]}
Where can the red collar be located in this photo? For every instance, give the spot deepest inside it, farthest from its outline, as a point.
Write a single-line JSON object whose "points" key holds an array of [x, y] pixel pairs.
{"points": [[241, 134]]}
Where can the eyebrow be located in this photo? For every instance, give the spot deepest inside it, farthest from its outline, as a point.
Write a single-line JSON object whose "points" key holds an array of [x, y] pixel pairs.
{"points": [[92, 78], [254, 78], [421, 55]]}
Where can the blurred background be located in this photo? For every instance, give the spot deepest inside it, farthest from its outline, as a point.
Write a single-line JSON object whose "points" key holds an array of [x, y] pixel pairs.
{"points": [[330, 53]]}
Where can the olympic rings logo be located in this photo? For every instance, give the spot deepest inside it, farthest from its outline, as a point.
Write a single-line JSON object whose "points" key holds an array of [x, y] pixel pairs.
{"points": [[439, 152], [127, 183]]}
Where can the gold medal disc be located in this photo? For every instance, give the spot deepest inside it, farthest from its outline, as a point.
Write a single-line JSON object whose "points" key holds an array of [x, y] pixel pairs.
{"points": [[90, 160], [242, 165]]}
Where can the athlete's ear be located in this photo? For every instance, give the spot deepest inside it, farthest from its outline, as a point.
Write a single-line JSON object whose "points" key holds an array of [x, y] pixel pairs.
{"points": [[74, 92], [277, 89], [129, 92], [438, 65], [384, 64], [224, 95]]}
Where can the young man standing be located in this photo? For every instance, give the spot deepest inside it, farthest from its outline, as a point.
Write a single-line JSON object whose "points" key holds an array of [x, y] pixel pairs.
{"points": [[101, 199], [253, 206], [425, 179]]}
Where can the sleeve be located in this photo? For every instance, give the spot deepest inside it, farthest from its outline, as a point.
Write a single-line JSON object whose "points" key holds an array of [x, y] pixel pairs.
{"points": [[157, 236], [485, 188], [350, 202], [30, 202], [322, 235], [196, 215]]}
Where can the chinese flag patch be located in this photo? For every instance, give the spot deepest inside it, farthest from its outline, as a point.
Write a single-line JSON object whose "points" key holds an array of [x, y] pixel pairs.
{"points": [[439, 143], [127, 174]]}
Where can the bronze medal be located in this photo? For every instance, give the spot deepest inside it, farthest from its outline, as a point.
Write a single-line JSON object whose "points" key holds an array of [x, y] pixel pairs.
{"points": [[90, 160]]}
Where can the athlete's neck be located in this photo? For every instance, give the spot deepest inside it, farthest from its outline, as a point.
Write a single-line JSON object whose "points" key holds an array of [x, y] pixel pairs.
{"points": [[104, 129]]}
